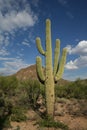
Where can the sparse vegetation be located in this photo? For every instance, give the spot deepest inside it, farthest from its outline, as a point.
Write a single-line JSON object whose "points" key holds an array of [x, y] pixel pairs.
{"points": [[77, 89], [16, 97], [49, 122], [18, 114]]}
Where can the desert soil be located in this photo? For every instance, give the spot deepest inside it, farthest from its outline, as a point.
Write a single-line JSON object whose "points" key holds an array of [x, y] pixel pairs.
{"points": [[71, 112]]}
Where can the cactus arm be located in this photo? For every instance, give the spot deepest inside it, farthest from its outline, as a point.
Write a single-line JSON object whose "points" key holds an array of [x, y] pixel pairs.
{"points": [[61, 65], [56, 56], [39, 46], [39, 69]]}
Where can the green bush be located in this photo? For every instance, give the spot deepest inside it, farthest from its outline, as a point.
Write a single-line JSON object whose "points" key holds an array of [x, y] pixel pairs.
{"points": [[5, 112], [73, 90], [7, 91], [18, 114], [8, 85], [5, 122], [33, 89], [49, 122]]}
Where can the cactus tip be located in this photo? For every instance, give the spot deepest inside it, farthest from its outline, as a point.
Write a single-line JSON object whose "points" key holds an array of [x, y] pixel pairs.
{"points": [[48, 21], [58, 40], [64, 51], [38, 38], [38, 57]]}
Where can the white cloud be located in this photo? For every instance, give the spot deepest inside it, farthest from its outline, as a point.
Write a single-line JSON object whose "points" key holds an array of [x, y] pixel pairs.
{"points": [[81, 50], [77, 63], [4, 39], [6, 71], [12, 65], [16, 14], [13, 20], [16, 64], [26, 42], [4, 52], [6, 58], [71, 65]]}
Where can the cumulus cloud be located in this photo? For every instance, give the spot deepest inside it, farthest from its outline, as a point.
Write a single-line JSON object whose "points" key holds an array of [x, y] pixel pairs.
{"points": [[81, 50], [14, 20], [16, 16], [71, 65]]}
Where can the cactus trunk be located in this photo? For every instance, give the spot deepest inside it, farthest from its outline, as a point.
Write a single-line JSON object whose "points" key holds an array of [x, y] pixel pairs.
{"points": [[49, 81]]}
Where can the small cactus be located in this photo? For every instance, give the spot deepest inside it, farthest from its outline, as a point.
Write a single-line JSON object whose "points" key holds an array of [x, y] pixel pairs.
{"points": [[52, 74]]}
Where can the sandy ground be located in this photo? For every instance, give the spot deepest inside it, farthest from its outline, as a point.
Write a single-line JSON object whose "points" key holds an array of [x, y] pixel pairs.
{"points": [[78, 123], [69, 112]]}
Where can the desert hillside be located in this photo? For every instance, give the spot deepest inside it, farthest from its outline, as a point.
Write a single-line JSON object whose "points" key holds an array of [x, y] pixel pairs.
{"points": [[27, 73], [30, 73]]}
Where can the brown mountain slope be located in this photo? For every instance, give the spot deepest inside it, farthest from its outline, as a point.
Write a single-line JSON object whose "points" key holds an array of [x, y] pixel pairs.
{"points": [[27, 73], [30, 73]]}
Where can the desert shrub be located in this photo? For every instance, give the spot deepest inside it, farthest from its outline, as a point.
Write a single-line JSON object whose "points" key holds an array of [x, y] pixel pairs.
{"points": [[7, 91], [49, 122], [33, 89], [5, 122], [5, 111], [18, 114], [60, 91], [77, 90], [73, 90], [8, 85]]}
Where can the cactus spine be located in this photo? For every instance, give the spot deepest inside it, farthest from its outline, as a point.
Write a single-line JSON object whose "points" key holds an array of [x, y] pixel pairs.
{"points": [[51, 75]]}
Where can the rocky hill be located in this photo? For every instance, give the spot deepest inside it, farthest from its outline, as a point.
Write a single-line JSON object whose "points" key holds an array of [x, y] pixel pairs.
{"points": [[27, 73], [30, 73]]}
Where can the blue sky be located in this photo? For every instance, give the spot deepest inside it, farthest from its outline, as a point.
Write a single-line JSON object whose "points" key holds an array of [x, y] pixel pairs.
{"points": [[21, 21]]}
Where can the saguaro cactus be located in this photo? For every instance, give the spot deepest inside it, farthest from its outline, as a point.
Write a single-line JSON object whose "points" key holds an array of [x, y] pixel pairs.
{"points": [[52, 74]]}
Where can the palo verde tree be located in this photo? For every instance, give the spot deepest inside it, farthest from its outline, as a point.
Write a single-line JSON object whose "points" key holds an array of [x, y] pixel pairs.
{"points": [[52, 74]]}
